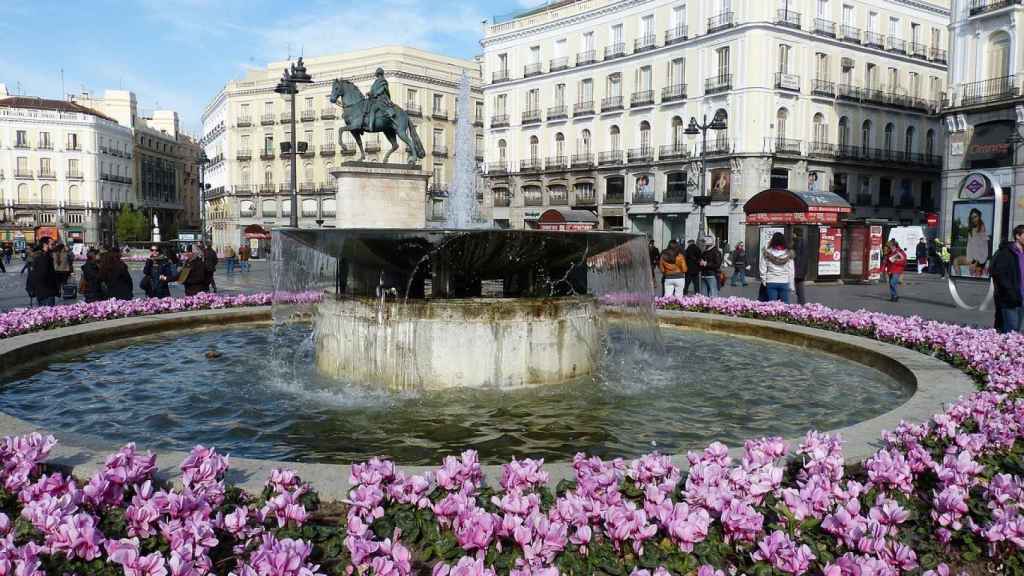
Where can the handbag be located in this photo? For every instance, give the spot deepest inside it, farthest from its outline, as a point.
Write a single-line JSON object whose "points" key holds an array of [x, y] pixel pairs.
{"points": [[762, 293], [183, 275], [146, 284], [83, 285]]}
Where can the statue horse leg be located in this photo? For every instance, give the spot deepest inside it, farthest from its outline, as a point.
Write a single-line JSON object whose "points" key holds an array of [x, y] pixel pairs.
{"points": [[358, 136], [389, 133]]}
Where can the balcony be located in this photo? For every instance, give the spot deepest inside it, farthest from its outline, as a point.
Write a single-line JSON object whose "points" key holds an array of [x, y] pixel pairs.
{"points": [[582, 160], [586, 57], [22, 145], [584, 198], [478, 120], [23, 173], [718, 147], [308, 115], [413, 109], [559, 198], [825, 27], [721, 22], [676, 35], [371, 146], [499, 121], [327, 150], [307, 188], [787, 146], [643, 197], [821, 150], [534, 199], [937, 55], [874, 39], [266, 189], [617, 50], [286, 117], [267, 155], [242, 190], [790, 82], [718, 84], [918, 50], [987, 91], [327, 188], [644, 154], [849, 33], [243, 121], [894, 44], [479, 154], [75, 176], [531, 116], [613, 198], [499, 167], [641, 98], [556, 163], [347, 150], [328, 113], [502, 200], [673, 93], [243, 154], [787, 18], [535, 69], [49, 146], [983, 6], [645, 43], [267, 119], [500, 76], [439, 151], [583, 108], [848, 92], [558, 112], [439, 114], [531, 165], [611, 103], [47, 175], [823, 88], [560, 63], [610, 158], [675, 151]]}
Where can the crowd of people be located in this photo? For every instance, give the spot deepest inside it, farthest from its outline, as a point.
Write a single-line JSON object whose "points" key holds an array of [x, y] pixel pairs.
{"points": [[50, 267]]}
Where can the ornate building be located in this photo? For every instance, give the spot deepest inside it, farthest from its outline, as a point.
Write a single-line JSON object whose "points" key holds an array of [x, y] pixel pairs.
{"points": [[246, 122], [587, 105]]}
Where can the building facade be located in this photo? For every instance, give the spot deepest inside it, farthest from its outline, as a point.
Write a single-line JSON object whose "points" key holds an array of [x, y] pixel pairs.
{"points": [[984, 111], [246, 122], [64, 166], [587, 104]]}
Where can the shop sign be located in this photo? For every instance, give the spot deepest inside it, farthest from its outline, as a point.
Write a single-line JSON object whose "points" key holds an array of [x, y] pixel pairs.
{"points": [[875, 254], [789, 81], [975, 186], [567, 226], [793, 218], [932, 220], [531, 214], [991, 141], [830, 246]]}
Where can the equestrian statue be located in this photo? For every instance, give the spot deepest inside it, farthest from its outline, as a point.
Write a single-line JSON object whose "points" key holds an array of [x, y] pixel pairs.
{"points": [[375, 113]]}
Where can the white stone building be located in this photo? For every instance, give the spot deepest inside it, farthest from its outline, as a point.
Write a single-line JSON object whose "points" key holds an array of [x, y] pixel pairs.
{"points": [[586, 104], [62, 165], [984, 109], [245, 123]]}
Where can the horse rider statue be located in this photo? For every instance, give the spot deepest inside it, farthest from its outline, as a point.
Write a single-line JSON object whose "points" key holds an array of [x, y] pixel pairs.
{"points": [[375, 113]]}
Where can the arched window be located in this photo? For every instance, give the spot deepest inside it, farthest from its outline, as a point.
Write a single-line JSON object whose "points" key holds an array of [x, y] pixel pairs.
{"points": [[820, 135], [890, 129], [678, 135], [46, 192], [584, 142], [908, 142], [268, 175], [722, 136], [645, 135], [865, 136], [502, 151], [998, 55], [247, 209], [24, 196], [614, 140], [269, 208], [534, 148], [307, 172], [929, 143], [245, 176], [74, 194], [329, 208], [780, 123], [559, 145], [308, 208], [844, 132]]}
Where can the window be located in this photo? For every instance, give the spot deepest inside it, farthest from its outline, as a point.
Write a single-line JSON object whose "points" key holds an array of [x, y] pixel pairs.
{"points": [[643, 78], [247, 208], [936, 37], [675, 186], [560, 95], [503, 62], [722, 136], [998, 55], [820, 135], [534, 149], [849, 17], [588, 41], [586, 90], [929, 143], [21, 139], [438, 139], [678, 17], [45, 168], [268, 144], [328, 137], [24, 196], [73, 167], [44, 140], [245, 111], [268, 108], [479, 110], [780, 123], [269, 208], [677, 72], [246, 178], [915, 85], [723, 61], [935, 91], [72, 141], [46, 194], [844, 132], [502, 151], [307, 172], [894, 76], [533, 99], [615, 144], [309, 208], [821, 66], [645, 135], [847, 72], [908, 142], [647, 27], [915, 32], [438, 103], [534, 54], [559, 145], [583, 144], [614, 85], [783, 59], [894, 27], [871, 77], [412, 97], [74, 195], [560, 45], [500, 102], [873, 22], [616, 34], [865, 135], [309, 139], [823, 9], [268, 176], [309, 104], [780, 179], [890, 129]]}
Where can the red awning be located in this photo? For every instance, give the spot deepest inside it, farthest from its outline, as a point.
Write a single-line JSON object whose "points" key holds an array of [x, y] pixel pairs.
{"points": [[773, 201], [256, 232]]}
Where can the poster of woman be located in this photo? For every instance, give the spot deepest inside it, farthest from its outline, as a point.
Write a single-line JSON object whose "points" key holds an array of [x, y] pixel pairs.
{"points": [[720, 180], [972, 239], [643, 188]]}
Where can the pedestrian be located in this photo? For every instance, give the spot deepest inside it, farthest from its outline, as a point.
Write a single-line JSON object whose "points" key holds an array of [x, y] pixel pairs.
{"points": [[922, 255], [673, 270], [710, 266], [193, 275], [1008, 282], [244, 253], [89, 285], [44, 281], [61, 262], [8, 254], [230, 259], [28, 256], [778, 273], [799, 268], [944, 256], [654, 254], [4, 261], [210, 259], [114, 277], [895, 264], [156, 274], [692, 256], [739, 265]]}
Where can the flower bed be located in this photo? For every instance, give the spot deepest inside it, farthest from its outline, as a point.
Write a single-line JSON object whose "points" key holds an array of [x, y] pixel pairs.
{"points": [[25, 320], [939, 498]]}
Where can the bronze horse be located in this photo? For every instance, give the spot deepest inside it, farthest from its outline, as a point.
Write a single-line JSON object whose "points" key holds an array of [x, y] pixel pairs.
{"points": [[353, 109]]}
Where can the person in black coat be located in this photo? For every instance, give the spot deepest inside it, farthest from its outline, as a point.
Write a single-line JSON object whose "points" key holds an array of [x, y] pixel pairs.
{"points": [[157, 273], [799, 268], [114, 276], [922, 256], [42, 278], [90, 286], [1008, 286], [692, 257]]}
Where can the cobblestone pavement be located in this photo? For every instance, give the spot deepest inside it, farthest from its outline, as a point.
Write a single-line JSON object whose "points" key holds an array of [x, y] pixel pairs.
{"points": [[923, 295]]}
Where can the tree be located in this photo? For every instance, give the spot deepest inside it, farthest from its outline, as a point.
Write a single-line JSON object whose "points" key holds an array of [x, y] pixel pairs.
{"points": [[132, 226]]}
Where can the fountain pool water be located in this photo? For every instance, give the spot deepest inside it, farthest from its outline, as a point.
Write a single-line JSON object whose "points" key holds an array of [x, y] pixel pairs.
{"points": [[164, 393]]}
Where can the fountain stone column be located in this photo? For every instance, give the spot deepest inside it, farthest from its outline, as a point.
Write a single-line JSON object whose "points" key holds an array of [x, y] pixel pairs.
{"points": [[375, 195]]}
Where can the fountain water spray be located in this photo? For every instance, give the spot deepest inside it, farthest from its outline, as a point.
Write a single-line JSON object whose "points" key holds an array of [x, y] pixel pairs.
{"points": [[463, 208]]}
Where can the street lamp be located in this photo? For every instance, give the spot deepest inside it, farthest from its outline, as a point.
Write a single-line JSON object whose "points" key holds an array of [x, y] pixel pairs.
{"points": [[202, 160], [289, 86], [694, 128]]}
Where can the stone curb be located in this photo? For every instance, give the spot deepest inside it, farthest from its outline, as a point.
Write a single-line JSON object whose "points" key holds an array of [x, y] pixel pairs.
{"points": [[935, 384]]}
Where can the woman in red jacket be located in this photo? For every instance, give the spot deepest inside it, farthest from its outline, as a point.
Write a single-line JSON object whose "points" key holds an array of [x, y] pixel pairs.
{"points": [[895, 263]]}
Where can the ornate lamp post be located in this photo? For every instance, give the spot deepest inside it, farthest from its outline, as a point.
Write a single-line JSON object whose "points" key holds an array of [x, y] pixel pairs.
{"points": [[703, 199], [289, 85], [202, 161]]}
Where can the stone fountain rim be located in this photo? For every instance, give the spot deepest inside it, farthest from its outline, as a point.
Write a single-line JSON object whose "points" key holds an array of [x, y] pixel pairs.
{"points": [[935, 384]]}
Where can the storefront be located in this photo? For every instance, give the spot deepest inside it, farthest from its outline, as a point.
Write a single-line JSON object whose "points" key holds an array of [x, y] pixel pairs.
{"points": [[258, 238], [567, 220]]}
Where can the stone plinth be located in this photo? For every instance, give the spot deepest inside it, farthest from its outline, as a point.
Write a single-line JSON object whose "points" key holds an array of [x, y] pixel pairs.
{"points": [[375, 195], [477, 343]]}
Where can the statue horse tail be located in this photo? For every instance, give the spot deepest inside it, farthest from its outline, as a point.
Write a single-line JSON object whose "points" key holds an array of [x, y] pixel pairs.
{"points": [[420, 152]]}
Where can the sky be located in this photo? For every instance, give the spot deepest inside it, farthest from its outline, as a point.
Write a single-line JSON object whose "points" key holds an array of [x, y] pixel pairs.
{"points": [[176, 54]]}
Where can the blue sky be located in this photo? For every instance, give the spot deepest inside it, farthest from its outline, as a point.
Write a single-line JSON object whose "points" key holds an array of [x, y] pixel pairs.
{"points": [[177, 53]]}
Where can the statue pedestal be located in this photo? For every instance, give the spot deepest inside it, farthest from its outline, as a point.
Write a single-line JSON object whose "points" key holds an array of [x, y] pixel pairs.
{"points": [[376, 195]]}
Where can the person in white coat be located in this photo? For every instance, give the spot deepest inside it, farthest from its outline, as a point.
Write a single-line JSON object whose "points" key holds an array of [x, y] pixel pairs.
{"points": [[777, 270]]}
